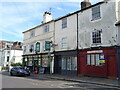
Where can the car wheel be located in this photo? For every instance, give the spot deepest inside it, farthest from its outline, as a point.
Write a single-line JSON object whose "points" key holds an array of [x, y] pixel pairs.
{"points": [[29, 74]]}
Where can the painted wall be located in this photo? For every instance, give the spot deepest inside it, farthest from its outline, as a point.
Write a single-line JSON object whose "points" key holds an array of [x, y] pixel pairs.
{"points": [[70, 33], [106, 24], [1, 58], [15, 56], [40, 36]]}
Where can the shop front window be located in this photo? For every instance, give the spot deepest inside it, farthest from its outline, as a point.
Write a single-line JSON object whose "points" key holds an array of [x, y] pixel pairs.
{"points": [[30, 62], [96, 59], [45, 62], [69, 63], [63, 63]]}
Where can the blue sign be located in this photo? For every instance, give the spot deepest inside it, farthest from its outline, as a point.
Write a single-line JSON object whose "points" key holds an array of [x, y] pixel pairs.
{"points": [[41, 70], [102, 57]]}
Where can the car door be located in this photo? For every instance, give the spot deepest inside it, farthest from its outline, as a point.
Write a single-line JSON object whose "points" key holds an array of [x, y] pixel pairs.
{"points": [[14, 71]]}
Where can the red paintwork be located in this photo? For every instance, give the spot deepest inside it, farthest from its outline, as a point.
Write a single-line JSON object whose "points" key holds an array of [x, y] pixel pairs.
{"points": [[110, 69]]}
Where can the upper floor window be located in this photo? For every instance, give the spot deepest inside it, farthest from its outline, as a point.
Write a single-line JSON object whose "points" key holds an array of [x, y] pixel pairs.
{"points": [[96, 13], [8, 58], [46, 28], [96, 37], [64, 23], [8, 52], [47, 45], [31, 48], [37, 47], [64, 42], [32, 33], [24, 49]]}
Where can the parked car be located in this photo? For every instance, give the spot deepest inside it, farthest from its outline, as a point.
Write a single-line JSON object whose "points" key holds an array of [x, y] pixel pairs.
{"points": [[19, 71]]}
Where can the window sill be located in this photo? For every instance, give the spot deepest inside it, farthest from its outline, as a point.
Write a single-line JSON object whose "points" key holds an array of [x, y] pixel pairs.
{"points": [[96, 19]]}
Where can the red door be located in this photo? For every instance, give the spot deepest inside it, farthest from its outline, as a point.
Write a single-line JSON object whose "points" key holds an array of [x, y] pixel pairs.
{"points": [[112, 67]]}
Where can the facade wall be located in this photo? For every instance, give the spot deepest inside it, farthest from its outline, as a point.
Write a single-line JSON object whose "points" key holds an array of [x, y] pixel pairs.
{"points": [[40, 36], [70, 33], [106, 24], [15, 56]]}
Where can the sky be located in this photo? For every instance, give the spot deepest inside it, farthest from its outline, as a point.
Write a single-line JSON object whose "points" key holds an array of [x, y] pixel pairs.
{"points": [[17, 16]]}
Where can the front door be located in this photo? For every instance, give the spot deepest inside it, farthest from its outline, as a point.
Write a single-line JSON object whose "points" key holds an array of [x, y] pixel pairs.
{"points": [[57, 63]]}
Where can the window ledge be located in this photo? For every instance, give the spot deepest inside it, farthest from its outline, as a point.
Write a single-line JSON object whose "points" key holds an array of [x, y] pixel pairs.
{"points": [[96, 19]]}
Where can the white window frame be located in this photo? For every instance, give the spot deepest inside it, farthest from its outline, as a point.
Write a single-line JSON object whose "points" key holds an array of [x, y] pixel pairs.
{"points": [[64, 23], [64, 42], [46, 28], [96, 38], [96, 13]]}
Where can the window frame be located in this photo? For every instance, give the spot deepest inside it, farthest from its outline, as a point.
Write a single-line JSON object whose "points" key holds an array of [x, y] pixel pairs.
{"points": [[64, 23], [96, 37], [96, 60], [32, 33], [96, 13], [46, 28], [31, 48], [64, 42]]}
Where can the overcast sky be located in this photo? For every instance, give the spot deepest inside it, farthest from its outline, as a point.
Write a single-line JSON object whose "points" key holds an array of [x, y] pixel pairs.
{"points": [[17, 16]]}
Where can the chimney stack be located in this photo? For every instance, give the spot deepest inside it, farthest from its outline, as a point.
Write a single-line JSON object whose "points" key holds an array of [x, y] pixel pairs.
{"points": [[85, 4], [47, 17]]}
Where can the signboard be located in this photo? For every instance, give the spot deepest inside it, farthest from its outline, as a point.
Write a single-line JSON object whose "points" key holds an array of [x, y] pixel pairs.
{"points": [[37, 47], [47, 45], [95, 51], [41, 70], [102, 59]]}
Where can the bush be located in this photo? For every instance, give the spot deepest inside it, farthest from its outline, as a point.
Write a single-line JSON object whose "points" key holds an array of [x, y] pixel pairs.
{"points": [[16, 64], [5, 68]]}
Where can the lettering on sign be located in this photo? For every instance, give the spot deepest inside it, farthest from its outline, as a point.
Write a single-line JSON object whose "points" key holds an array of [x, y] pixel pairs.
{"points": [[96, 51]]}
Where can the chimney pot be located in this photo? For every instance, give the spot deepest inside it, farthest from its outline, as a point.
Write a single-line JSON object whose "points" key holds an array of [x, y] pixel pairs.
{"points": [[85, 4]]}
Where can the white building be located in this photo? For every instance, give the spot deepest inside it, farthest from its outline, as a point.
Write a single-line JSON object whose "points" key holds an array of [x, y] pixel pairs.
{"points": [[12, 56], [85, 42], [66, 40], [37, 45], [10, 52], [99, 39]]}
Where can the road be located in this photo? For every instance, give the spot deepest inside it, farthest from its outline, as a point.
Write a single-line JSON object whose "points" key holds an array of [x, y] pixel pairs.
{"points": [[30, 82]]}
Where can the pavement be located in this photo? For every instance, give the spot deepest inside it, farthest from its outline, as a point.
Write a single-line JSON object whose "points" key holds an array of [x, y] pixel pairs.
{"points": [[82, 79]]}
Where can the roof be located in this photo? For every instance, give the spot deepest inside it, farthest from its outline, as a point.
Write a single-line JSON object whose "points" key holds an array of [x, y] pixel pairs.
{"points": [[66, 15], [38, 26]]}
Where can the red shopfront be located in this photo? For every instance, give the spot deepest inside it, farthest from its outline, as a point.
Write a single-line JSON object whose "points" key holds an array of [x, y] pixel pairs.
{"points": [[98, 62]]}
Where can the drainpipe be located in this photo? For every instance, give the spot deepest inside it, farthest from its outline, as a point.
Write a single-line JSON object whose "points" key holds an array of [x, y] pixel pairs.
{"points": [[77, 45]]}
